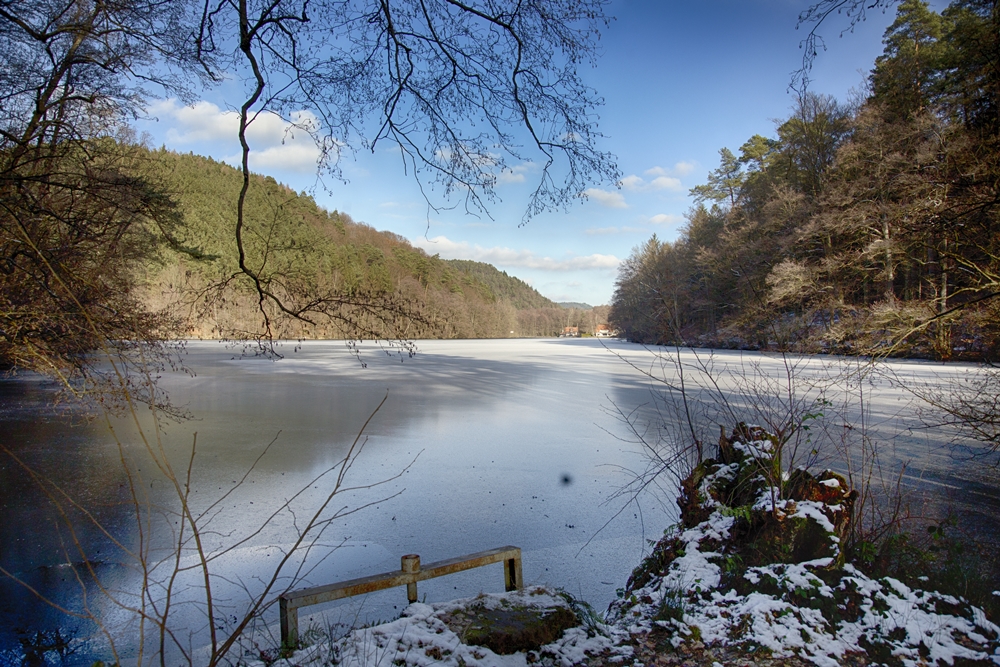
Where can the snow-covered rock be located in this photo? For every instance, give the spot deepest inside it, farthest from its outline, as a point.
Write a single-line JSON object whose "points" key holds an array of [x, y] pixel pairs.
{"points": [[756, 564]]}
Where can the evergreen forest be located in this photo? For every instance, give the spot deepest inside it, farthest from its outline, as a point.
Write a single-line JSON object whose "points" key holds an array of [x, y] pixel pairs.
{"points": [[867, 226], [307, 250]]}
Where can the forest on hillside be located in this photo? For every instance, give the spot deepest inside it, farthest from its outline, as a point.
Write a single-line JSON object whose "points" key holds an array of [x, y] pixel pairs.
{"points": [[305, 250], [107, 246], [866, 226]]}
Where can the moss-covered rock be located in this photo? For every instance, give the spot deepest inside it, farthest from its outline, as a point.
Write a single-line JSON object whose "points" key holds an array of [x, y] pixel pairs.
{"points": [[778, 518], [509, 627]]}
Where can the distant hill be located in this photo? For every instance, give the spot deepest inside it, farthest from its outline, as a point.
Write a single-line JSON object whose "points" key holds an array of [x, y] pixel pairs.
{"points": [[520, 294], [577, 305], [306, 250]]}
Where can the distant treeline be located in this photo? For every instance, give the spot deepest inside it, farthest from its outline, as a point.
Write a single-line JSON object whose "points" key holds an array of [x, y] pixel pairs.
{"points": [[872, 226], [304, 249]]}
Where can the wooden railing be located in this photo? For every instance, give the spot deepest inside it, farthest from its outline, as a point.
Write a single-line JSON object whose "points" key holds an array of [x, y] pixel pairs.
{"points": [[409, 574]]}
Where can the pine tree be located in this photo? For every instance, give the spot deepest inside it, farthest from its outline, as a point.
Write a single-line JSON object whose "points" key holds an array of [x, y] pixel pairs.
{"points": [[907, 73]]}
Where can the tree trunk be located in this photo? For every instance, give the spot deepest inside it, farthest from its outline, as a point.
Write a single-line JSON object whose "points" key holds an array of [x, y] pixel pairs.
{"points": [[890, 275]]}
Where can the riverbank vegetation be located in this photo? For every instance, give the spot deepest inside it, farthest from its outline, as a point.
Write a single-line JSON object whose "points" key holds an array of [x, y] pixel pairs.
{"points": [[870, 225]]}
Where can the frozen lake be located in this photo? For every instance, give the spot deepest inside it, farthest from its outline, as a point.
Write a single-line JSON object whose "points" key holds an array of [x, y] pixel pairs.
{"points": [[485, 443]]}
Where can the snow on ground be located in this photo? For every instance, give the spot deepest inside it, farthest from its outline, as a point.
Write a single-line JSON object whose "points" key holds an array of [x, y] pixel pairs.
{"points": [[421, 637], [696, 590]]}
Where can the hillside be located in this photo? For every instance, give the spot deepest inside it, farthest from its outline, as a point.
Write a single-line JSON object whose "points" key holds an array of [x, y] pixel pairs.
{"points": [[378, 284], [519, 293], [872, 226]]}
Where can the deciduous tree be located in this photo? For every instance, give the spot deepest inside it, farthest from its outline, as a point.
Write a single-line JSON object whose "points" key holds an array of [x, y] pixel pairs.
{"points": [[462, 90]]}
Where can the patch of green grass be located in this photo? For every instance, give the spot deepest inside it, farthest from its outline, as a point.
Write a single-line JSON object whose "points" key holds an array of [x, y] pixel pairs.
{"points": [[672, 606]]}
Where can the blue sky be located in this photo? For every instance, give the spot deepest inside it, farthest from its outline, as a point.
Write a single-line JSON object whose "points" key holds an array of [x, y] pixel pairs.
{"points": [[680, 80]]}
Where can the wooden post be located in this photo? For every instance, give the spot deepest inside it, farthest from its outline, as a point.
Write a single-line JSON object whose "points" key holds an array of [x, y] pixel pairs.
{"points": [[512, 573], [411, 565], [289, 623]]}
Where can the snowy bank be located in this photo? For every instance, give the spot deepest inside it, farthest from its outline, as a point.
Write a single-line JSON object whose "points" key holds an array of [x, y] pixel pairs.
{"points": [[533, 626], [756, 565], [754, 574]]}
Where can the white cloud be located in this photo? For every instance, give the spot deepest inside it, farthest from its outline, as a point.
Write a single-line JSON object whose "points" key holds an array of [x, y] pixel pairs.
{"points": [[605, 198], [632, 182], [200, 122], [515, 174], [501, 256], [510, 176], [290, 157], [661, 182], [666, 219], [275, 142], [683, 168], [679, 169], [665, 183]]}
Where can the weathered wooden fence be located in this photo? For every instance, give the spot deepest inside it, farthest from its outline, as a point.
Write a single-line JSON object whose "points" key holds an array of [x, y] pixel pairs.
{"points": [[409, 574]]}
